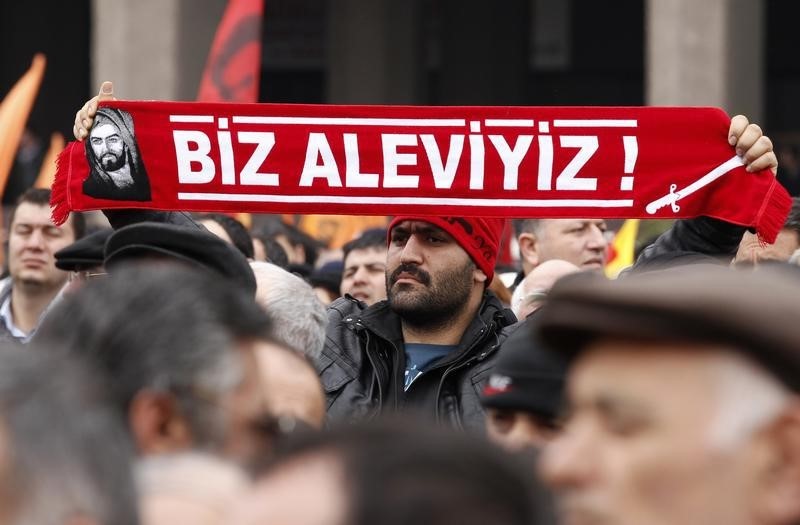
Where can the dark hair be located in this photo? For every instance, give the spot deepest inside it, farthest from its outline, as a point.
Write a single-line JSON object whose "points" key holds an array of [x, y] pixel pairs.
{"points": [[328, 277], [405, 472], [372, 238], [311, 246], [295, 236], [235, 230], [275, 253], [41, 197], [793, 220], [69, 451], [165, 328]]}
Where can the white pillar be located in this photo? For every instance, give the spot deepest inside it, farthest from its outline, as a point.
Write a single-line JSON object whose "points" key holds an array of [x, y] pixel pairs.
{"points": [[706, 52], [152, 49]]}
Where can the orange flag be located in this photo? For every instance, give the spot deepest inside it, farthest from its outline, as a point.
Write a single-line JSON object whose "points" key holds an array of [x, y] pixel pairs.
{"points": [[14, 111], [47, 173], [234, 63], [335, 230]]}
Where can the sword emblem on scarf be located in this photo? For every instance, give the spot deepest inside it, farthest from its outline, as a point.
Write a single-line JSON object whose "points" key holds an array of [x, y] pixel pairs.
{"points": [[673, 196], [470, 161]]}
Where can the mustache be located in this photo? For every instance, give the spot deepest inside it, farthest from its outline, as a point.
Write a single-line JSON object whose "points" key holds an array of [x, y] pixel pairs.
{"points": [[413, 270]]}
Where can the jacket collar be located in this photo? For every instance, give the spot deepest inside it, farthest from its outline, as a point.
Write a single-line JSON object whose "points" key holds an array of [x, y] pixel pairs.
{"points": [[380, 319]]}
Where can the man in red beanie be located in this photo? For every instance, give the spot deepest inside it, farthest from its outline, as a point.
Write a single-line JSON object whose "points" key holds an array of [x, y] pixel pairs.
{"points": [[429, 347]]}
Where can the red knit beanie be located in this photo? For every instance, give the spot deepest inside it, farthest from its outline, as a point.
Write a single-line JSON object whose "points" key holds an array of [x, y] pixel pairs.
{"points": [[478, 236]]}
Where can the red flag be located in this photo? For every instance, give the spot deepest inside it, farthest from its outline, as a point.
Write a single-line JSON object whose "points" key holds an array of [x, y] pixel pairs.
{"points": [[234, 63], [505, 257]]}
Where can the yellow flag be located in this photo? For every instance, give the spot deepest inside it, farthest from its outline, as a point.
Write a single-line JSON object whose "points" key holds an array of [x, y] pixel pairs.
{"points": [[14, 111], [622, 249]]}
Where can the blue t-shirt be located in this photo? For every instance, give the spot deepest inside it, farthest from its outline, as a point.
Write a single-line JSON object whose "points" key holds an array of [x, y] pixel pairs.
{"points": [[420, 356]]}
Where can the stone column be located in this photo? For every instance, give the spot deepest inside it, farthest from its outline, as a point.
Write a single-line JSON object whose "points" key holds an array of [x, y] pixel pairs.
{"points": [[708, 52], [375, 52], [485, 48], [152, 49]]}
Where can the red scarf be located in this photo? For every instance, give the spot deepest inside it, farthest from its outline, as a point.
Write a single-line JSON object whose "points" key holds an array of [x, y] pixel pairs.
{"points": [[588, 162]]}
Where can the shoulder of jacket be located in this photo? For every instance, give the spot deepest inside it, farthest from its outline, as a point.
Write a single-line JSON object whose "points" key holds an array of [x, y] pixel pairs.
{"points": [[493, 309], [344, 307]]}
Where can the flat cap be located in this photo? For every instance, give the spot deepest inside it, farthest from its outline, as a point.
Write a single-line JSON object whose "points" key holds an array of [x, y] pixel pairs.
{"points": [[193, 245], [84, 253], [756, 313]]}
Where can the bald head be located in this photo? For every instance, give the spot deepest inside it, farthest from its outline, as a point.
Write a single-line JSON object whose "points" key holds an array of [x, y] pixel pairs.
{"points": [[292, 386], [580, 241], [527, 297]]}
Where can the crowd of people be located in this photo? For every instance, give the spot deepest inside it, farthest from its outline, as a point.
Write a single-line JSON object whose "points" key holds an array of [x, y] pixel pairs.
{"points": [[177, 368]]}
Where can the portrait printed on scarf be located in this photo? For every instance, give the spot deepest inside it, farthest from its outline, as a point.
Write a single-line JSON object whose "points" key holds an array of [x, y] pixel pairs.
{"points": [[117, 171]]}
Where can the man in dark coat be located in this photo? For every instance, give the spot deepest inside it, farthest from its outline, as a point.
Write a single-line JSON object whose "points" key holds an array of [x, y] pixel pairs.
{"points": [[429, 346]]}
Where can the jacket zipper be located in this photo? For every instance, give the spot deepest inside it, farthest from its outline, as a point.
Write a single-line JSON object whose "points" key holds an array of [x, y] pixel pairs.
{"points": [[381, 368], [398, 375], [456, 366], [378, 370]]}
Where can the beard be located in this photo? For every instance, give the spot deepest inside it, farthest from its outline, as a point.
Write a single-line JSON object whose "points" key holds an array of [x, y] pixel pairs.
{"points": [[431, 303], [112, 162]]}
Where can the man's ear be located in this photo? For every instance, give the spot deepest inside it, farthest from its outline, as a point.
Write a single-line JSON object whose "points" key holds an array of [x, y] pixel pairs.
{"points": [[157, 424], [779, 497], [528, 247], [479, 277]]}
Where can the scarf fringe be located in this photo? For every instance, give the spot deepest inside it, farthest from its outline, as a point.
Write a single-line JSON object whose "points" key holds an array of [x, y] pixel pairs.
{"points": [[59, 196], [773, 213]]}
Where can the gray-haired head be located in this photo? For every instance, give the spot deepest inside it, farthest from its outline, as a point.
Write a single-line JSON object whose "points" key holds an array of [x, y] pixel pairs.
{"points": [[793, 219], [164, 329], [299, 317], [64, 450], [526, 226]]}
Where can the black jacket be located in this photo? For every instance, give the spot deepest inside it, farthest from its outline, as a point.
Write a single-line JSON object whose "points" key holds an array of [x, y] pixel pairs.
{"points": [[363, 364], [702, 240]]}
